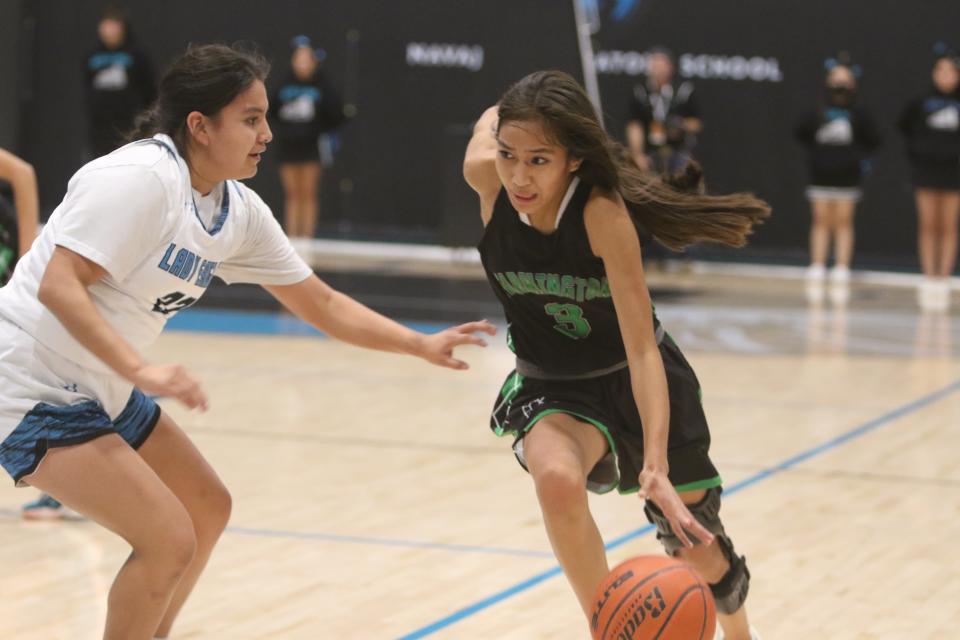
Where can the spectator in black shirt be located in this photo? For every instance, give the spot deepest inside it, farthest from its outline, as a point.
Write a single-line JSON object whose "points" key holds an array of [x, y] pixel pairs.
{"points": [[303, 108], [931, 125], [840, 135], [119, 83], [664, 117]]}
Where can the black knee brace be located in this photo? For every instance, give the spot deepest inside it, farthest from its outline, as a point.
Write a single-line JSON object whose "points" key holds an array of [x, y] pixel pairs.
{"points": [[731, 591]]}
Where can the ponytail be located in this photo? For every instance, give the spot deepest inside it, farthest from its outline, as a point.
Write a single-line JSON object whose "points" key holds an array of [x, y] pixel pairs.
{"points": [[678, 212], [146, 124]]}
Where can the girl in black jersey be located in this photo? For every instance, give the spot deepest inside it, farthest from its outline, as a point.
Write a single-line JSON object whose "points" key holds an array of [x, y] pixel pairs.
{"points": [[931, 125], [562, 205], [18, 219], [840, 135]]}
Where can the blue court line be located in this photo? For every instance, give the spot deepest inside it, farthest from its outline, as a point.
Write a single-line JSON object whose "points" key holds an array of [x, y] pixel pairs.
{"points": [[389, 542], [262, 323], [803, 456]]}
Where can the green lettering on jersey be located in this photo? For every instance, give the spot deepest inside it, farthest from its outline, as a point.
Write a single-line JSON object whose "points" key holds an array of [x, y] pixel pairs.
{"points": [[552, 284], [505, 284], [514, 282], [593, 288], [581, 288], [568, 287], [529, 284]]}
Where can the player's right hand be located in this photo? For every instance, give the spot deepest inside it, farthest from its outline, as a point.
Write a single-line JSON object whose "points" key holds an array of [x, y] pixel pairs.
{"points": [[172, 381]]}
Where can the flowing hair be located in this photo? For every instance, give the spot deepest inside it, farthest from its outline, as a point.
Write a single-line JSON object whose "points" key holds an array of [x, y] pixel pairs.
{"points": [[674, 208]]}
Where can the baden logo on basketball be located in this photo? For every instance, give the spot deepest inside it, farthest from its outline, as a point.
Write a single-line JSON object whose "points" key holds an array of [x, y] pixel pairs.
{"points": [[653, 598], [651, 604]]}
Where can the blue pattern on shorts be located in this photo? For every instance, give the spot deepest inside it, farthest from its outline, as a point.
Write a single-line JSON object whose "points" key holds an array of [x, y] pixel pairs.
{"points": [[46, 426]]}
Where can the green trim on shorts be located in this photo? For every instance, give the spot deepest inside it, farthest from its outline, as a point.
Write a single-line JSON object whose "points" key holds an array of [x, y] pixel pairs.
{"points": [[709, 483], [510, 390], [599, 425]]}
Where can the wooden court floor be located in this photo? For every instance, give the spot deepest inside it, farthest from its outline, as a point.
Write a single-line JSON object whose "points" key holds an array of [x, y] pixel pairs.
{"points": [[372, 502]]}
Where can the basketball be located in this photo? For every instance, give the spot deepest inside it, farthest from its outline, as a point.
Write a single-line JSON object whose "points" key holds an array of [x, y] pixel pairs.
{"points": [[653, 597]]}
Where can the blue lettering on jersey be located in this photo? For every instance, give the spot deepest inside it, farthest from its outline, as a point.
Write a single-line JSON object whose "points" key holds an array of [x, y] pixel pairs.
{"points": [[837, 114], [206, 273], [293, 91], [102, 60], [938, 103], [186, 265]]}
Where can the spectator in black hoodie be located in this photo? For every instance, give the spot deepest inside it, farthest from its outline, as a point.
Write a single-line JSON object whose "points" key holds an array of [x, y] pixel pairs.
{"points": [[302, 109], [119, 83], [840, 135], [931, 125]]}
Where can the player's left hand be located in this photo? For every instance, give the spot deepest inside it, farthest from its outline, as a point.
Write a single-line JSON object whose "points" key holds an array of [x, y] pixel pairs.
{"points": [[438, 348], [655, 486]]}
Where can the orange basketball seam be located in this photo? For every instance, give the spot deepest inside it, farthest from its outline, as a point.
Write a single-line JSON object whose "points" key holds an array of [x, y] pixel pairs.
{"points": [[676, 606], [700, 585], [621, 601]]}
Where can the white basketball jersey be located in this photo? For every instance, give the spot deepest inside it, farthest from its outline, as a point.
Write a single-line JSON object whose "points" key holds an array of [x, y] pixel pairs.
{"points": [[133, 213]]}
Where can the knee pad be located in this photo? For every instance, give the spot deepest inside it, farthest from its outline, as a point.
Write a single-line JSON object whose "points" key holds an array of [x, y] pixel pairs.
{"points": [[731, 591], [706, 512]]}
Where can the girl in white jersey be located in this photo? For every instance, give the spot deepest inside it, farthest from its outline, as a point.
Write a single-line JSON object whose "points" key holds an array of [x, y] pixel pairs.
{"points": [[138, 236]]}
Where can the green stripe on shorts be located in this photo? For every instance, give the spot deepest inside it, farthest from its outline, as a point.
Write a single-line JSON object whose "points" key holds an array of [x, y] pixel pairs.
{"points": [[715, 481], [510, 390], [709, 483]]}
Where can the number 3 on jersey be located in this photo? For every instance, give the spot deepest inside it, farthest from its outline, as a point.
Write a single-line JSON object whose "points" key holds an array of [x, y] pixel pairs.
{"points": [[570, 320]]}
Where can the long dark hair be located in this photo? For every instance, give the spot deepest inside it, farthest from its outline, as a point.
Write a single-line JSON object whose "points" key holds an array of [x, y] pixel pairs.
{"points": [[673, 208], [206, 78]]}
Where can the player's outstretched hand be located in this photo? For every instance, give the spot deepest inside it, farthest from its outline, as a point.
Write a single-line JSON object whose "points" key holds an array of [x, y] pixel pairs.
{"points": [[656, 487], [438, 347], [172, 381]]}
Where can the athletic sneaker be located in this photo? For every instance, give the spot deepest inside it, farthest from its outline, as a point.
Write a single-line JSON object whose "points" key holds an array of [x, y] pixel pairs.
{"points": [[48, 508], [840, 275], [816, 273], [933, 294], [839, 294]]}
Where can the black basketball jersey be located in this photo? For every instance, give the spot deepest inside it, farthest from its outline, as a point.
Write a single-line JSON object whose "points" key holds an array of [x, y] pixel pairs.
{"points": [[9, 239], [553, 289]]}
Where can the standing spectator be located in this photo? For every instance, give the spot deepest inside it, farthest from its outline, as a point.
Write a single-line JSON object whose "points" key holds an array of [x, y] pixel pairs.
{"points": [[303, 108], [18, 215], [840, 135], [931, 125], [664, 117], [119, 83]]}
